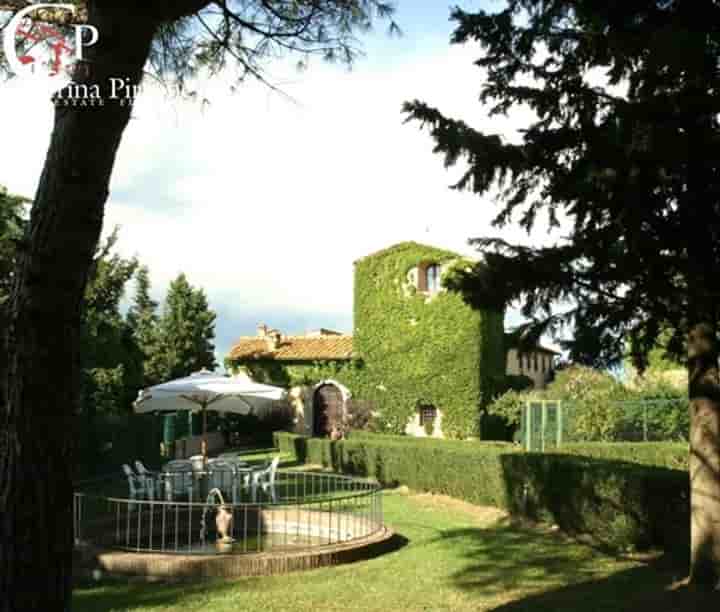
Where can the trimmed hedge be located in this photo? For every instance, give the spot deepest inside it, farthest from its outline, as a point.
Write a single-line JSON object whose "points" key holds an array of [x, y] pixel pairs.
{"points": [[673, 455], [619, 504], [359, 435], [466, 470]]}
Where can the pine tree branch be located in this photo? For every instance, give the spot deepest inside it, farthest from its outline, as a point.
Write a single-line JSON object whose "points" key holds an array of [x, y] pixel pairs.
{"points": [[163, 11], [58, 17]]}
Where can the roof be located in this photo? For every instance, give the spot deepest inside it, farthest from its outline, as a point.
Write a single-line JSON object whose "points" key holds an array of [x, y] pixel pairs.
{"points": [[408, 244], [543, 349], [294, 348], [514, 344]]}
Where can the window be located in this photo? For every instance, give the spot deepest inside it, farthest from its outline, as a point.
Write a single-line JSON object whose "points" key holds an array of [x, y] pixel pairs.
{"points": [[535, 362], [428, 279], [428, 412], [433, 278]]}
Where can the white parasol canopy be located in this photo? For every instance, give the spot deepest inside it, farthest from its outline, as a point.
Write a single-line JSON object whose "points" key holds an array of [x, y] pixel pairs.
{"points": [[202, 390]]}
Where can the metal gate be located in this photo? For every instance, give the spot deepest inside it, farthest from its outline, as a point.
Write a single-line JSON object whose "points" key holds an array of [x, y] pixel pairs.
{"points": [[541, 425]]}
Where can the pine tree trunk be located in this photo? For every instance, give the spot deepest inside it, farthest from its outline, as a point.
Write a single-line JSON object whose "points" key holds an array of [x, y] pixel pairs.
{"points": [[704, 390], [39, 372]]}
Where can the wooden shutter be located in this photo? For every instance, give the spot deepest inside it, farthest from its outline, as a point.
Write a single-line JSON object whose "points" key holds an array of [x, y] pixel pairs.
{"points": [[422, 277]]}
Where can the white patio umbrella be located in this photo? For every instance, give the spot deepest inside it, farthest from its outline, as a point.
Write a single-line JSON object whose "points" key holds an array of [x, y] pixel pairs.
{"points": [[202, 390]]}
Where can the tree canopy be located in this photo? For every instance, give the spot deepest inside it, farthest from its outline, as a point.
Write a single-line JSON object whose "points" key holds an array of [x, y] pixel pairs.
{"points": [[186, 333], [142, 318], [193, 36], [625, 145], [123, 352]]}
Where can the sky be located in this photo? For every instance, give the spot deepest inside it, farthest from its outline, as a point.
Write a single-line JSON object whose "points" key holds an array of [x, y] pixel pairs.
{"points": [[265, 201]]}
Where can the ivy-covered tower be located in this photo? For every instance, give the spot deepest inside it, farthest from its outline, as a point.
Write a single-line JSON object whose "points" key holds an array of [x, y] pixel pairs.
{"points": [[427, 358]]}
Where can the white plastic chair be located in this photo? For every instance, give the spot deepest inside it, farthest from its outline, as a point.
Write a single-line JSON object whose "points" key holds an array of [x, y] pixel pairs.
{"points": [[148, 480], [265, 479], [136, 490], [223, 476], [178, 479]]}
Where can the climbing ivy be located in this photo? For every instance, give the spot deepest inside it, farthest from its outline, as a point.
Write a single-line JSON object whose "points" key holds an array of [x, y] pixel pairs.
{"points": [[409, 347], [423, 349]]}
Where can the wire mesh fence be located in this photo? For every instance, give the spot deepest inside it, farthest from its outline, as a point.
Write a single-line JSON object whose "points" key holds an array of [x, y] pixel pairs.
{"points": [[305, 509], [548, 424]]}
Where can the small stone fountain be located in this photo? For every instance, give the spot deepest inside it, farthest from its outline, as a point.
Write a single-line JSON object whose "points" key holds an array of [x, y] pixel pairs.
{"points": [[223, 522]]}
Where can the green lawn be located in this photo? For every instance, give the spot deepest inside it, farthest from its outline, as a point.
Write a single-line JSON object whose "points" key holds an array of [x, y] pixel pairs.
{"points": [[451, 556]]}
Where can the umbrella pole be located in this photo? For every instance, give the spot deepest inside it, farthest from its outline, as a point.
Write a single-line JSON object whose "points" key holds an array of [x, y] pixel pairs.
{"points": [[204, 439]]}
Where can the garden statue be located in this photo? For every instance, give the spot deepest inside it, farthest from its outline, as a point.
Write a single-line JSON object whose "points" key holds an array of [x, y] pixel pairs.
{"points": [[223, 522]]}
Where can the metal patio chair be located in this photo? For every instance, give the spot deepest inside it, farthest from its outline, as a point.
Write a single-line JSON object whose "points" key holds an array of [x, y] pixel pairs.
{"points": [[178, 479]]}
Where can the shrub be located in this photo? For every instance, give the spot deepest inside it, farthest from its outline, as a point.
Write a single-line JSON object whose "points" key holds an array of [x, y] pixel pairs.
{"points": [[105, 442], [465, 469], [662, 411], [621, 505], [501, 418], [509, 407], [357, 416], [591, 398], [599, 408]]}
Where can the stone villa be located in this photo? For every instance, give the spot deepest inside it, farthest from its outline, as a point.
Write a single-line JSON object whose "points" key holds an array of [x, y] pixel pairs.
{"points": [[418, 352]]}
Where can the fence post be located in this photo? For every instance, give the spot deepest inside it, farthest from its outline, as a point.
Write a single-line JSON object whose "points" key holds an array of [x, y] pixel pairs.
{"points": [[543, 425], [645, 432], [527, 427], [559, 418]]}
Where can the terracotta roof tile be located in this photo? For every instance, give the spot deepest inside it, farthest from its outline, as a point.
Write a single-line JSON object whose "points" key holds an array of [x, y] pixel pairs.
{"points": [[294, 348]]}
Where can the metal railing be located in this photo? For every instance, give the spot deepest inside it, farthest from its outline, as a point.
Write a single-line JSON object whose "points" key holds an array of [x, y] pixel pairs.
{"points": [[310, 509]]}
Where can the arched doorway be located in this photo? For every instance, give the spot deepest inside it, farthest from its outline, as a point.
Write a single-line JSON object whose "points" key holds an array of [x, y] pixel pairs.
{"points": [[327, 409]]}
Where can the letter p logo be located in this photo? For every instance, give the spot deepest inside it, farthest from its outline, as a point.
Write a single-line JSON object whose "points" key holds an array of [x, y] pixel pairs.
{"points": [[93, 37]]}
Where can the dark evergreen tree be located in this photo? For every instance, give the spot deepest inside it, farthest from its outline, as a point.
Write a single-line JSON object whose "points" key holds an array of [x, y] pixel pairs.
{"points": [[143, 321], [626, 145], [187, 330], [111, 361]]}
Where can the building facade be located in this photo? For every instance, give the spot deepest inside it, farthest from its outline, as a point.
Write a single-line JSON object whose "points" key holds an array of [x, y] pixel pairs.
{"points": [[419, 355]]}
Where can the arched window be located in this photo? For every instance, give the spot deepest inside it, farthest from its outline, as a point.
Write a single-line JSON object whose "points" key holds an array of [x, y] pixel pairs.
{"points": [[428, 277], [433, 278]]}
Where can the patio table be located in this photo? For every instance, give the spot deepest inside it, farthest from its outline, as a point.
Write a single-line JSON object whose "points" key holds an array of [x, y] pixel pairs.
{"points": [[200, 476]]}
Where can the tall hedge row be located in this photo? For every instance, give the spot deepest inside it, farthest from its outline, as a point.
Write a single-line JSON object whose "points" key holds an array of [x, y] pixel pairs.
{"points": [[673, 455], [619, 504]]}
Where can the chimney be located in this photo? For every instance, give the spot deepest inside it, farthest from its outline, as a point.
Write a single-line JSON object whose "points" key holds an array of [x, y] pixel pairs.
{"points": [[262, 330], [273, 338]]}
